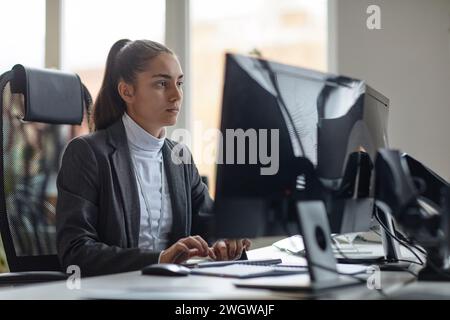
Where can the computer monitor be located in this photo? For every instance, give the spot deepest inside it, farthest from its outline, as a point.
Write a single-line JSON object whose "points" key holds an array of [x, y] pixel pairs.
{"points": [[288, 134]]}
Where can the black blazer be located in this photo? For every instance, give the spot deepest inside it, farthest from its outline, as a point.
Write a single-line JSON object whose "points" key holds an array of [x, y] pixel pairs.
{"points": [[97, 211]]}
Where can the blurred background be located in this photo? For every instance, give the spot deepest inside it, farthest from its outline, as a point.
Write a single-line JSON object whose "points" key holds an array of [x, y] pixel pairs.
{"points": [[407, 59]]}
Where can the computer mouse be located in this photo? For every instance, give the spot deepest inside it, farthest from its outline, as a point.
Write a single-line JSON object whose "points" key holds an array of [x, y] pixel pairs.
{"points": [[166, 269]]}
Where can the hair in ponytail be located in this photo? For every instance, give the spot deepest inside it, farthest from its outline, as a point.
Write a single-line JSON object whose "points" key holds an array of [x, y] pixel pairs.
{"points": [[126, 58]]}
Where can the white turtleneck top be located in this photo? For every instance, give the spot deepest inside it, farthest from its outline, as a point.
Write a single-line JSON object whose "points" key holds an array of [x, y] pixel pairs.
{"points": [[154, 198]]}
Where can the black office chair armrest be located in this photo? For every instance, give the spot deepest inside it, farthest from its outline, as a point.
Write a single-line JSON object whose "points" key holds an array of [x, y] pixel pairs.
{"points": [[28, 277]]}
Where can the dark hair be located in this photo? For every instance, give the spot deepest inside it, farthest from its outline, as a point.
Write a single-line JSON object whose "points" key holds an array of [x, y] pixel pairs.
{"points": [[125, 59]]}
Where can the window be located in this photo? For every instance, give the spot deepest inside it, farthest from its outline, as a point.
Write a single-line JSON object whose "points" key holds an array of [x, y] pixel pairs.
{"points": [[90, 28], [22, 25], [287, 31]]}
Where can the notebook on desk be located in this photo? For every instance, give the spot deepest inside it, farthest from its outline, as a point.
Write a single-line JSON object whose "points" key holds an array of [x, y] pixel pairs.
{"points": [[246, 271]]}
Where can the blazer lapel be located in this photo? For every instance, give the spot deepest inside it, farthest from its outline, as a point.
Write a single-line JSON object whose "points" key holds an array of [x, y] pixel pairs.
{"points": [[177, 189], [121, 162]]}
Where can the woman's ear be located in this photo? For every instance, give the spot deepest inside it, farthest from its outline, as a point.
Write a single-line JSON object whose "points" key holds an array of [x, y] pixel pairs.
{"points": [[126, 91]]}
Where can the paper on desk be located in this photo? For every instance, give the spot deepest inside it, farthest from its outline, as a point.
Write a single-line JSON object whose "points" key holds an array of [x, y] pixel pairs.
{"points": [[293, 245], [271, 252]]}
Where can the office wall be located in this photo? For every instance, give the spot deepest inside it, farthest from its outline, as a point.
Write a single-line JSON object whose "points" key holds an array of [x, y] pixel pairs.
{"points": [[408, 60]]}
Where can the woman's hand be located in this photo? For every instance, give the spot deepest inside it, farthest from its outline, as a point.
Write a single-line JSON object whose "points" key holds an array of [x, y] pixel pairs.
{"points": [[230, 249], [185, 249]]}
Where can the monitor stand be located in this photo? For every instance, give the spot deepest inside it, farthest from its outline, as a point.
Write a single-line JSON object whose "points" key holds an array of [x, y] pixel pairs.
{"points": [[322, 269], [392, 259], [314, 227]]}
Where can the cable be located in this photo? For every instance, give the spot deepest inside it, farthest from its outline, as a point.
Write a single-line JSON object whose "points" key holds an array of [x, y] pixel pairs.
{"points": [[410, 242], [396, 238], [432, 266], [419, 249], [407, 246], [410, 261]]}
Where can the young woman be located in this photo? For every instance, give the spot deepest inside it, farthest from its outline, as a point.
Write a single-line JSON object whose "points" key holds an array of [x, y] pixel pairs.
{"points": [[123, 203]]}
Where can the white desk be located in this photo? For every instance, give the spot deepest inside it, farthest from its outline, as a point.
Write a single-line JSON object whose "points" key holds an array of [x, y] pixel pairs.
{"points": [[133, 285]]}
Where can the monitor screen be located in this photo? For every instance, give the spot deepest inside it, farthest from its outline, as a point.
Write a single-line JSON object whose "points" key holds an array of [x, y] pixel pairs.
{"points": [[287, 134]]}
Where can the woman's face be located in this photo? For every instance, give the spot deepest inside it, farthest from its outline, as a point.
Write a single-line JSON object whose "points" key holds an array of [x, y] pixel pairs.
{"points": [[154, 100]]}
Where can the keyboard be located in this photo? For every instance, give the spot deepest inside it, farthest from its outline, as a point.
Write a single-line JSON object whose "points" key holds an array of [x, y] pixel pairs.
{"points": [[246, 271], [346, 249], [258, 262], [349, 248]]}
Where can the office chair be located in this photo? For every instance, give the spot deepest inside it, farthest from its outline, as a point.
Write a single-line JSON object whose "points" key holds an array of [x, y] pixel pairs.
{"points": [[40, 110]]}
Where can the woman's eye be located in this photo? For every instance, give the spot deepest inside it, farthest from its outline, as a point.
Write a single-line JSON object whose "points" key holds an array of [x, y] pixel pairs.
{"points": [[180, 83], [162, 84]]}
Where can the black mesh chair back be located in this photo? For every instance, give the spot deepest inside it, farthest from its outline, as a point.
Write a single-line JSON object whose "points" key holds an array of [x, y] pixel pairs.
{"points": [[41, 111]]}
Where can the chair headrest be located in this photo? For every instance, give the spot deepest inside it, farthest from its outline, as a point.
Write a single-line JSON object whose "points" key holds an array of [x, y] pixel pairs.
{"points": [[51, 96]]}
